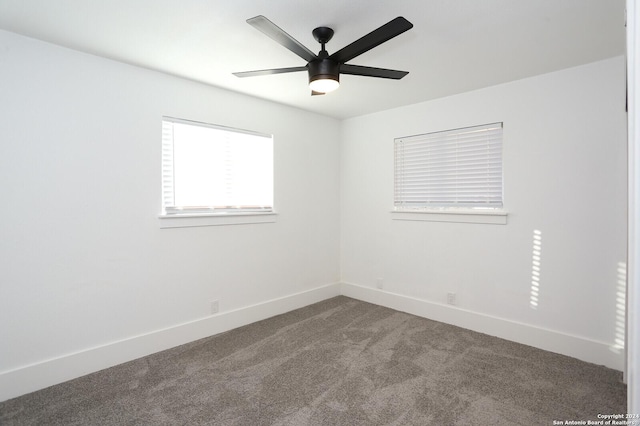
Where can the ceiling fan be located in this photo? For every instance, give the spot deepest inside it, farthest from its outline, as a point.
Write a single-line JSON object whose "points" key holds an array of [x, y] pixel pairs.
{"points": [[324, 69]]}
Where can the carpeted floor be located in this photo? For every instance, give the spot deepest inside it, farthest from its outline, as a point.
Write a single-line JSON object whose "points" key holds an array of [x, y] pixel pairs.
{"points": [[338, 362]]}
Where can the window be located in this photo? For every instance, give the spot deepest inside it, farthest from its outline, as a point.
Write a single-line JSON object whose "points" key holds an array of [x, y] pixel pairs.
{"points": [[452, 170], [208, 169]]}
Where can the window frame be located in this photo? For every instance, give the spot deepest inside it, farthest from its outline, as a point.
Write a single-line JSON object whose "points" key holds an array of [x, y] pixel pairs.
{"points": [[187, 216], [489, 214]]}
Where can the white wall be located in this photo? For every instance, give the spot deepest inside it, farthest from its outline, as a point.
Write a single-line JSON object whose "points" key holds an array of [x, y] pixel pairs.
{"points": [[84, 262], [564, 175], [633, 294], [89, 279]]}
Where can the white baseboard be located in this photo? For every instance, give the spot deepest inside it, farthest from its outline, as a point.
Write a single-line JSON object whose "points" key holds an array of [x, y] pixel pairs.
{"points": [[46, 373], [29, 378], [574, 346]]}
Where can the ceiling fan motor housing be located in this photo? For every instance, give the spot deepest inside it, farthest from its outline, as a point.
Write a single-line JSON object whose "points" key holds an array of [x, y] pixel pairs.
{"points": [[322, 69]]}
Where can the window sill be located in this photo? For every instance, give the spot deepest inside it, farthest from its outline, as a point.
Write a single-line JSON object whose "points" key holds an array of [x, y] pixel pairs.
{"points": [[492, 217], [214, 219]]}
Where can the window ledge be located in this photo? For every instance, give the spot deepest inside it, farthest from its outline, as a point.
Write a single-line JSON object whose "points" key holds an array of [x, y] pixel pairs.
{"points": [[493, 217], [215, 219]]}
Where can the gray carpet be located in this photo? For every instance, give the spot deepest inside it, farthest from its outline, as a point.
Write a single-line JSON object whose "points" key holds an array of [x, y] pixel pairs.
{"points": [[338, 362]]}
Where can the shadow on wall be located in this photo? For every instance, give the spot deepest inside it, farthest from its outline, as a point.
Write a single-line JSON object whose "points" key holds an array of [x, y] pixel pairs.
{"points": [[621, 291]]}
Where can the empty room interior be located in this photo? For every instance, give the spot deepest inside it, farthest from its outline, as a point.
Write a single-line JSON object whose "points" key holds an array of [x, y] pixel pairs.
{"points": [[419, 306]]}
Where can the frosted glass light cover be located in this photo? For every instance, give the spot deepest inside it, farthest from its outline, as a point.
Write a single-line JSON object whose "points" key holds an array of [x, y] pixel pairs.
{"points": [[324, 85]]}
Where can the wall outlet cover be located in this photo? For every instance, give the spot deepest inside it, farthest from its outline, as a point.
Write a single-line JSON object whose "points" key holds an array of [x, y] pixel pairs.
{"points": [[451, 299]]}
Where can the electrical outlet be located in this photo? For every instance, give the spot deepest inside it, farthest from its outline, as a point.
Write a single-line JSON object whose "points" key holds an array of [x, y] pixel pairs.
{"points": [[215, 306], [379, 283], [451, 299]]}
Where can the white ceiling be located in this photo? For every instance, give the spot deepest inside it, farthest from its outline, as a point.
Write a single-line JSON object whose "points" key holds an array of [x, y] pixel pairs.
{"points": [[455, 45]]}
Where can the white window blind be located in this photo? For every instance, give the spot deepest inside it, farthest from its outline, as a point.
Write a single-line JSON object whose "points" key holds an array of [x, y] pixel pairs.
{"points": [[449, 169], [211, 169]]}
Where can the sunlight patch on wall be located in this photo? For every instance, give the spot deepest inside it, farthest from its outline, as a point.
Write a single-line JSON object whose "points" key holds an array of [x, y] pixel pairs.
{"points": [[536, 264], [621, 305]]}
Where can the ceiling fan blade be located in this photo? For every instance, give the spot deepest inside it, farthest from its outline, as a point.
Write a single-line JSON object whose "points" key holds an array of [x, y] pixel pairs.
{"points": [[268, 72], [375, 38], [314, 93], [372, 72], [276, 33]]}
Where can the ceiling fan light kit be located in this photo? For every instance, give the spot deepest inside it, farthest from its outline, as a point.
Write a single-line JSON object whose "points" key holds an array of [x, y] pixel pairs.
{"points": [[324, 74], [324, 69], [323, 83]]}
